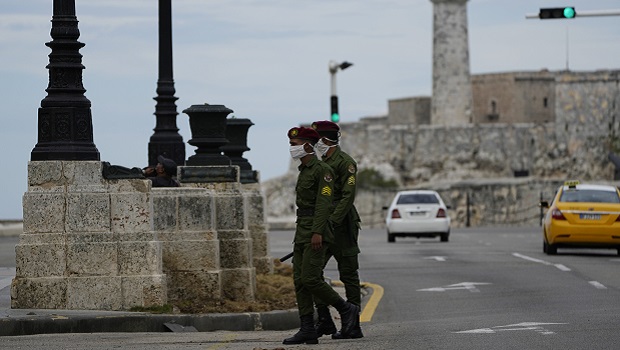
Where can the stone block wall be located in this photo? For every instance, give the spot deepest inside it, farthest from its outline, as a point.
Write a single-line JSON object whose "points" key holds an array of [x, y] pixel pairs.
{"points": [[87, 242], [229, 222], [255, 207], [185, 225], [95, 243]]}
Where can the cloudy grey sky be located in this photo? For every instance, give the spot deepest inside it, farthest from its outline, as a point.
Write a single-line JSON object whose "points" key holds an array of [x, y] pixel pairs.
{"points": [[266, 60]]}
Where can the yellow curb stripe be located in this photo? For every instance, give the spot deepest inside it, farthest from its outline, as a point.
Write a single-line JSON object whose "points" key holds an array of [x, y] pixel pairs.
{"points": [[373, 302]]}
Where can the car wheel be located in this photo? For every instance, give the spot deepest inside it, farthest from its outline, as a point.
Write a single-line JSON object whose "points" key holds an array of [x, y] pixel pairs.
{"points": [[551, 249], [618, 251], [444, 236], [390, 237]]}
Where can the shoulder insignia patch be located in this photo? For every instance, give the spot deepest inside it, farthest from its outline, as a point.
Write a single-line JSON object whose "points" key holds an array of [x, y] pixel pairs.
{"points": [[351, 168], [328, 177], [351, 180], [326, 191]]}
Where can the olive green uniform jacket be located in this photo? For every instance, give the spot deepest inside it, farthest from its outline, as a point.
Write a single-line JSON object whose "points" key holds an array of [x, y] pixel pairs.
{"points": [[314, 198], [344, 219]]}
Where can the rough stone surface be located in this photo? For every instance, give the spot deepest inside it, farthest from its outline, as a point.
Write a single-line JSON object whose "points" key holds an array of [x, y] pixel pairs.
{"points": [[39, 293], [452, 96], [194, 285], [239, 284], [82, 237]]}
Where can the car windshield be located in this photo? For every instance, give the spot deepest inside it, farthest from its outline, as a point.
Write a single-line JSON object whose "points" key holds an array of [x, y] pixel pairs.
{"points": [[418, 198], [590, 196]]}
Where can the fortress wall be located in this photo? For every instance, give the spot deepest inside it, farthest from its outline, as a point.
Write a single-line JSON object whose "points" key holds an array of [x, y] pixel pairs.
{"points": [[575, 146]]}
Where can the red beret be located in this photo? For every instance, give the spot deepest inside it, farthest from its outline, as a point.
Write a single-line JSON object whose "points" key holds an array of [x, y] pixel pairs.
{"points": [[303, 133], [325, 125]]}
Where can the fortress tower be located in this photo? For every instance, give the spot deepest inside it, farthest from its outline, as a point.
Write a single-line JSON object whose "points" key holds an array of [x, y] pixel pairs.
{"points": [[452, 97]]}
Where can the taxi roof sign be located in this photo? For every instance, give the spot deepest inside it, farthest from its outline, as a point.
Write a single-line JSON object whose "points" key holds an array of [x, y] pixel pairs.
{"points": [[571, 183]]}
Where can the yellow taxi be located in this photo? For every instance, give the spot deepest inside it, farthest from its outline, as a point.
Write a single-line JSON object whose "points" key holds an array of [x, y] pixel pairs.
{"points": [[582, 216]]}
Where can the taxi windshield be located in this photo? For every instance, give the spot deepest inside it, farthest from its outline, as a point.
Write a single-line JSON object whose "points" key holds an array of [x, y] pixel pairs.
{"points": [[589, 196]]}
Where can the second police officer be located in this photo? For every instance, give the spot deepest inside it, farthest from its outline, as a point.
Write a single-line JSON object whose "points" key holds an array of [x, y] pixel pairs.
{"points": [[345, 222], [313, 197]]}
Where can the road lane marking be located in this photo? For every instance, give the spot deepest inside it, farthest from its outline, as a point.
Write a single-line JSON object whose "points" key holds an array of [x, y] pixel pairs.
{"points": [[529, 258], [597, 285], [438, 258], [373, 302], [523, 326], [470, 286]]}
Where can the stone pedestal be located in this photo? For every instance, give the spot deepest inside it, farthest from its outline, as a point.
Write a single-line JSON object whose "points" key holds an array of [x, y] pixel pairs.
{"points": [[111, 244], [229, 222], [185, 223], [255, 206], [87, 241]]}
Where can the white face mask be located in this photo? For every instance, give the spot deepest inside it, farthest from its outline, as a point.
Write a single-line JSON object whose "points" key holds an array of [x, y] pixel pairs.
{"points": [[298, 151], [321, 148]]}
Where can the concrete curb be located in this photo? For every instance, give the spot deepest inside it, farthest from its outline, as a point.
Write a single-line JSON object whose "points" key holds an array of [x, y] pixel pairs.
{"points": [[85, 322]]}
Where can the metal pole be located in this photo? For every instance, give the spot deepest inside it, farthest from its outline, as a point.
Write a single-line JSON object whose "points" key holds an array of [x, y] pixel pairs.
{"points": [[467, 223], [65, 128], [541, 210], [333, 98], [580, 13], [166, 139]]}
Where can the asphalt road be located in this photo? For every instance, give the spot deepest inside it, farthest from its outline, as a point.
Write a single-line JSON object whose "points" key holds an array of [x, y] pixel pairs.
{"points": [[488, 288]]}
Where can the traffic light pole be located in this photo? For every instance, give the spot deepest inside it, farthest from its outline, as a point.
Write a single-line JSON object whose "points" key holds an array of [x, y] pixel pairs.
{"points": [[592, 13], [333, 68]]}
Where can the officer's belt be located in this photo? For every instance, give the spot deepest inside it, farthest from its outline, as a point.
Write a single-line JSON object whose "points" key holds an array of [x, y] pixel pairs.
{"points": [[305, 212]]}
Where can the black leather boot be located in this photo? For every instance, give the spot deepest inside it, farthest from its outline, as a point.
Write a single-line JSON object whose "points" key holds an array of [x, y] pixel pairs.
{"points": [[325, 325], [306, 334], [355, 333], [349, 314]]}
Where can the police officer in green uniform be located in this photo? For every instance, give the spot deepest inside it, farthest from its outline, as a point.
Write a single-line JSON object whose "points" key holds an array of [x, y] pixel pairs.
{"points": [[314, 197], [345, 223]]}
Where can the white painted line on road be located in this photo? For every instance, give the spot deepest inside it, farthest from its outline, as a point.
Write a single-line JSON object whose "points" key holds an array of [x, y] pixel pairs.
{"points": [[438, 258], [597, 285], [470, 286], [529, 258], [5, 282], [524, 326]]}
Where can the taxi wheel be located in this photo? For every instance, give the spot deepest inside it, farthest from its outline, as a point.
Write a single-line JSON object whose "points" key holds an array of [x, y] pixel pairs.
{"points": [[550, 249]]}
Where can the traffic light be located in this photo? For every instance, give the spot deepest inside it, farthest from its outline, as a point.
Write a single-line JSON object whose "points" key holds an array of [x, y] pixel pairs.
{"points": [[557, 12], [335, 116]]}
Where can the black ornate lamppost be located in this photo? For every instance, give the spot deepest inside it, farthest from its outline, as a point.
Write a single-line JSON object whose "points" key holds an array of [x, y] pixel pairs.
{"points": [[237, 135], [166, 138], [65, 128]]}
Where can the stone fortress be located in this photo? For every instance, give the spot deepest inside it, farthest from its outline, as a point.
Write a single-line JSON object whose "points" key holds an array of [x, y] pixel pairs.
{"points": [[491, 144]]}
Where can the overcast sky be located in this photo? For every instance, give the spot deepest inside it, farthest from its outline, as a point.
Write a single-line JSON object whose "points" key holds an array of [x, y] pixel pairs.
{"points": [[268, 61]]}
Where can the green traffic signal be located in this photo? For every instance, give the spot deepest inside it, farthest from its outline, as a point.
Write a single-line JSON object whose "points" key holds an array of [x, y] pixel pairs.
{"points": [[557, 12], [569, 12], [335, 118]]}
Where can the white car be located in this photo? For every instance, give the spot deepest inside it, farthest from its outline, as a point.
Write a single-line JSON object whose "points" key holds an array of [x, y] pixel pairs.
{"points": [[417, 213]]}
